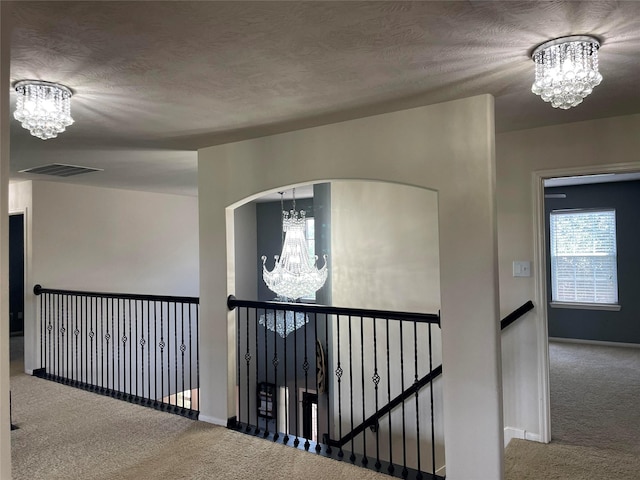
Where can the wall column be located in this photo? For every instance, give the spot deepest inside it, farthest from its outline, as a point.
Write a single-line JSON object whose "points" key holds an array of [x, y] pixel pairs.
{"points": [[5, 57]]}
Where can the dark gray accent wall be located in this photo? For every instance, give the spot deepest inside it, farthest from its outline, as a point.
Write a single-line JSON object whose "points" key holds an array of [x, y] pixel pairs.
{"points": [[624, 325]]}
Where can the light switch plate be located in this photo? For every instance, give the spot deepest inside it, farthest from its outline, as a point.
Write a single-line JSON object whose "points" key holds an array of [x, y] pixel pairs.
{"points": [[521, 268]]}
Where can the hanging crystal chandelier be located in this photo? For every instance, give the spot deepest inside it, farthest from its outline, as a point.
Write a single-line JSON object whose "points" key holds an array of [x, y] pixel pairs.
{"points": [[566, 70], [43, 108], [283, 322], [294, 275]]}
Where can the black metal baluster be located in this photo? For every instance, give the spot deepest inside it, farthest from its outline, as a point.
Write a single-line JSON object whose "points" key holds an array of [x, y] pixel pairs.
{"points": [[131, 340], [391, 468], [102, 362], [339, 373], [58, 322], [83, 342], [376, 381], [257, 430], [76, 332], [183, 348], [50, 344], [113, 338], [197, 354], [109, 337], [365, 460], [141, 342], [161, 345], [247, 357], [285, 439], [65, 329], [305, 367], [168, 345], [121, 338], [326, 382], [238, 372], [64, 372], [433, 433], [43, 362], [148, 398], [191, 364], [415, 369], [352, 457], [296, 440], [315, 347], [138, 362], [238, 364], [266, 368], [92, 334], [175, 355], [276, 362], [405, 472]]}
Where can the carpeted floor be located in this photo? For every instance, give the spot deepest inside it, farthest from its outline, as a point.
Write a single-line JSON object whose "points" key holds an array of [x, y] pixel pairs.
{"points": [[595, 418], [67, 433]]}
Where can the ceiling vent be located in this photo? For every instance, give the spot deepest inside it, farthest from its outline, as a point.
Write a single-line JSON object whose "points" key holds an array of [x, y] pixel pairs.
{"points": [[60, 170]]}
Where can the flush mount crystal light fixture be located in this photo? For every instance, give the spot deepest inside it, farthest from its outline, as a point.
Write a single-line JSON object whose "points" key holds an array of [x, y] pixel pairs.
{"points": [[566, 70], [294, 275], [43, 108]]}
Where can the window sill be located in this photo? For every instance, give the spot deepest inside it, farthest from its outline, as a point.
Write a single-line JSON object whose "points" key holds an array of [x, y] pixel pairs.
{"points": [[587, 306]]}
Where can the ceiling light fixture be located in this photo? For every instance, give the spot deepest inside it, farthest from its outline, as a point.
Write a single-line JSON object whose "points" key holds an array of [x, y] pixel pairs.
{"points": [[43, 108], [566, 70]]}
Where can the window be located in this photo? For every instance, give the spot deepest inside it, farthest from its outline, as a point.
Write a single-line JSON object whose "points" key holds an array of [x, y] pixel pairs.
{"points": [[583, 256]]}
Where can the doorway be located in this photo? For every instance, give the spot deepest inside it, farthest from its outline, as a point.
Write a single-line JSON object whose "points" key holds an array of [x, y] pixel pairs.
{"points": [[16, 274], [582, 334]]}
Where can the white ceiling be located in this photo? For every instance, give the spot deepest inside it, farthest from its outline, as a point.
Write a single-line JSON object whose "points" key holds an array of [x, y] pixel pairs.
{"points": [[155, 81]]}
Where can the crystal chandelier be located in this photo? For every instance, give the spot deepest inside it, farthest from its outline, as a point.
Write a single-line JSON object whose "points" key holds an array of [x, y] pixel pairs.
{"points": [[43, 108], [566, 70], [283, 322], [294, 274]]}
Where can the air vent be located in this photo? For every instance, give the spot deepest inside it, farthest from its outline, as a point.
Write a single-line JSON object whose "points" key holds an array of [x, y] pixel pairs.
{"points": [[60, 170]]}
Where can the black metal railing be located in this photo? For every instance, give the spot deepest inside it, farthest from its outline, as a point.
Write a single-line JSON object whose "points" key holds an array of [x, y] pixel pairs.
{"points": [[426, 380], [139, 348], [516, 314], [341, 370]]}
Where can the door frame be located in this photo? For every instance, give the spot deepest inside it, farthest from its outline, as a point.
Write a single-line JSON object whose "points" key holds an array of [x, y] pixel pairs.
{"points": [[540, 263]]}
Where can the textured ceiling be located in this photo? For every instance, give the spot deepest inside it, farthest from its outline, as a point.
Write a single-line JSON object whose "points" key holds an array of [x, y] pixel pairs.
{"points": [[154, 81]]}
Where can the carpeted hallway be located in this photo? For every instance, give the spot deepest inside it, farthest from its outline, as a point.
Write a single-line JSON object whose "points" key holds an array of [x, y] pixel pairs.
{"points": [[595, 418], [67, 433]]}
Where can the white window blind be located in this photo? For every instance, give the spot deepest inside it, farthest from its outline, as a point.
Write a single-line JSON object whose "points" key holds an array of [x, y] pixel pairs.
{"points": [[583, 256]]}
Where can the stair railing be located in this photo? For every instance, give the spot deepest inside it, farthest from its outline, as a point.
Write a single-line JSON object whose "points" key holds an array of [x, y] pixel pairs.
{"points": [[139, 348]]}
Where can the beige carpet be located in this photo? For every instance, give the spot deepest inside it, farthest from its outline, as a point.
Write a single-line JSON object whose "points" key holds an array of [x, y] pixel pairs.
{"points": [[595, 418], [66, 433]]}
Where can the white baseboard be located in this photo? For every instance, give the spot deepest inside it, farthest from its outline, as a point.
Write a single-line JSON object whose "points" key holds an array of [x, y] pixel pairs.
{"points": [[594, 342], [28, 371], [510, 432], [213, 420]]}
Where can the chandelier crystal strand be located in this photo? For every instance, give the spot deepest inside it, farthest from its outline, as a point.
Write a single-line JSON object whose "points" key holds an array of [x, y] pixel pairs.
{"points": [[566, 70], [43, 108]]}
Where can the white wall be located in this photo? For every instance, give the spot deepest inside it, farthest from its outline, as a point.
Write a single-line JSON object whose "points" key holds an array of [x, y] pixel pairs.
{"points": [[610, 144], [106, 240], [5, 57], [385, 255], [447, 147]]}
